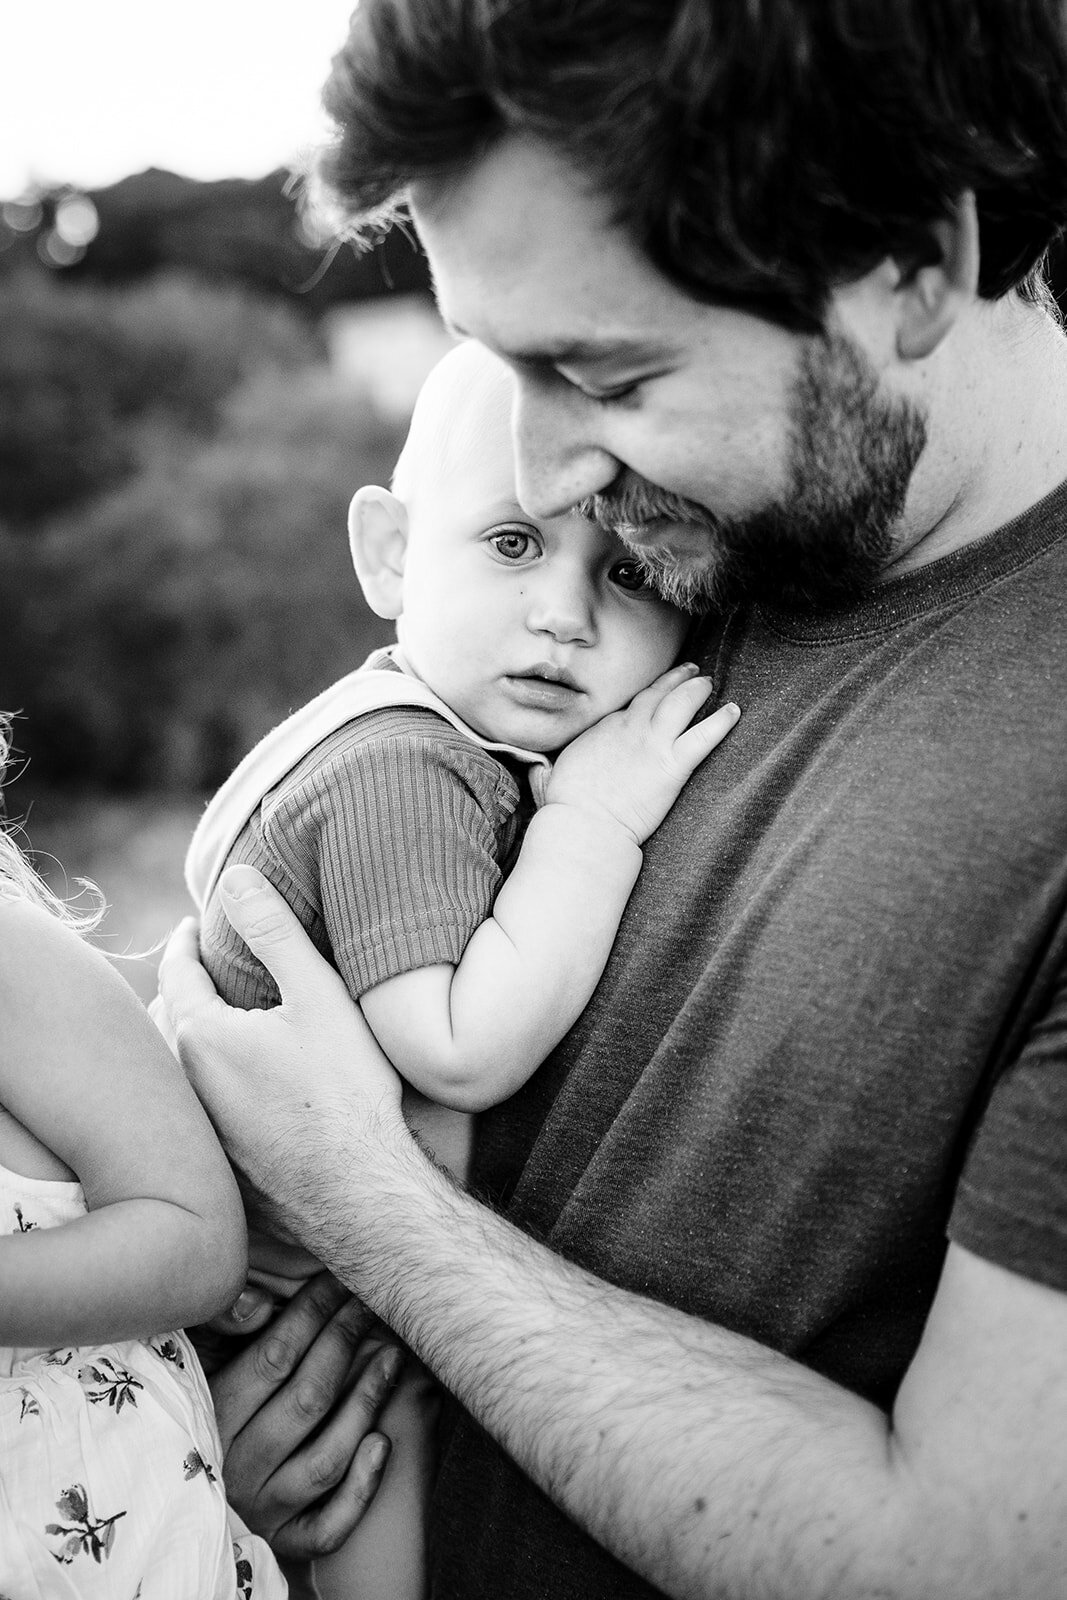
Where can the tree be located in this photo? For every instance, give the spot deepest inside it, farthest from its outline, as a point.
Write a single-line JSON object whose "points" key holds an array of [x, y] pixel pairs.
{"points": [[92, 380], [182, 614]]}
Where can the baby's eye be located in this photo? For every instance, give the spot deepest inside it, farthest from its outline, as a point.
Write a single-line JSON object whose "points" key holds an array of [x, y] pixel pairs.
{"points": [[631, 576], [513, 544]]}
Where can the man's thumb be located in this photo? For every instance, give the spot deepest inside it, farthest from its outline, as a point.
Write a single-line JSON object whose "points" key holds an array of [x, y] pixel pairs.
{"points": [[268, 927]]}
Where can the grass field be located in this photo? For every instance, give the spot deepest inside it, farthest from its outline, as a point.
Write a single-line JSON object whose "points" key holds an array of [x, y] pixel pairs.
{"points": [[132, 848]]}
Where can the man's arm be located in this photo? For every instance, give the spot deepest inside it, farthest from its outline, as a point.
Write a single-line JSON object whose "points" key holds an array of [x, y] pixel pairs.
{"points": [[710, 1464]]}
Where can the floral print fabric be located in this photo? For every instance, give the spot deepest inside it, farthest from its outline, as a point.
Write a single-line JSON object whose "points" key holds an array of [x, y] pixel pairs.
{"points": [[110, 1479]]}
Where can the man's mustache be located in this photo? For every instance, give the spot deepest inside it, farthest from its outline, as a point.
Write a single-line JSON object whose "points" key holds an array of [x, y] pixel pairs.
{"points": [[632, 502], [628, 507]]}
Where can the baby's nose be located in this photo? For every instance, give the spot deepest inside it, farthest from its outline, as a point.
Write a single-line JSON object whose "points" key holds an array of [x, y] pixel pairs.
{"points": [[564, 609]]}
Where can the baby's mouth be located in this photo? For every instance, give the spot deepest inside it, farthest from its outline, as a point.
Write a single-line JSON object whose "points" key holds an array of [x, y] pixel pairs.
{"points": [[545, 687], [546, 672]]}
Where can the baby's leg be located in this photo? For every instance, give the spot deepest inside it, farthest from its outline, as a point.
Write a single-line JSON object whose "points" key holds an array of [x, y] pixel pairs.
{"points": [[385, 1557]]}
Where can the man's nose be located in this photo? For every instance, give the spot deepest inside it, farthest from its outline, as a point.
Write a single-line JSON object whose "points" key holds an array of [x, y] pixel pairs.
{"points": [[557, 460]]}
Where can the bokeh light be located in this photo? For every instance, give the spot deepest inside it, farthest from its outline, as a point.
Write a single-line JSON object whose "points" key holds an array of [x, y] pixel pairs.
{"points": [[55, 251], [76, 222], [23, 215]]}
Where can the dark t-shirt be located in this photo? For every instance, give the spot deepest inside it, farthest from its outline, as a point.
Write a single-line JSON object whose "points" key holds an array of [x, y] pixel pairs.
{"points": [[833, 1028]]}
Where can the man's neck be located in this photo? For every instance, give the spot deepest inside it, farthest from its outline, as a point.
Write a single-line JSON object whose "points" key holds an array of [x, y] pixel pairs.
{"points": [[997, 415]]}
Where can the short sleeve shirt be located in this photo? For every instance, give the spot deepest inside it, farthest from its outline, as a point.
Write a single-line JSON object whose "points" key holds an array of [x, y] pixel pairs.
{"points": [[389, 840]]}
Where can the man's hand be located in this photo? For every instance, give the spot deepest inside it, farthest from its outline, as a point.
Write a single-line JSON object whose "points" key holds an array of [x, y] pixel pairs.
{"points": [[301, 1482], [274, 1080], [631, 766]]}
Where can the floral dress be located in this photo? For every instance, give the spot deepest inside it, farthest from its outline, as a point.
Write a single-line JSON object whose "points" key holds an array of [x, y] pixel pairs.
{"points": [[109, 1462]]}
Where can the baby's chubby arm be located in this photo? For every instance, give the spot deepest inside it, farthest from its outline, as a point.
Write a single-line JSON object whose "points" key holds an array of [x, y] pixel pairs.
{"points": [[83, 1068], [470, 1035]]}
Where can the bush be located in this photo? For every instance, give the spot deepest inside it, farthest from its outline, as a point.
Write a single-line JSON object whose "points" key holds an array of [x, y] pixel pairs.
{"points": [[181, 615], [91, 378]]}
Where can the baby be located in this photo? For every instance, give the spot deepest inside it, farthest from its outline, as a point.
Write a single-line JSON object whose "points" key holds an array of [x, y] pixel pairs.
{"points": [[395, 812]]}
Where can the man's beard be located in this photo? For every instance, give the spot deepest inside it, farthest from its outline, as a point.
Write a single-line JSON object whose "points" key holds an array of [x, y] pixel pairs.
{"points": [[852, 452]]}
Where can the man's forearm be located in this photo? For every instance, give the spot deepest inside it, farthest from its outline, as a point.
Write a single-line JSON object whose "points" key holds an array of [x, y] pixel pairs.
{"points": [[706, 1462]]}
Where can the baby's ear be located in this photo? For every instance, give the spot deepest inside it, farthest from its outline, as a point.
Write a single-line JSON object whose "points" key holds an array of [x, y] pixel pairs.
{"points": [[378, 538]]}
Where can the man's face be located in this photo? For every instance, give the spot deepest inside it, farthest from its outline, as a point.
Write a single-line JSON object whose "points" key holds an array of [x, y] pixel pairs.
{"points": [[784, 465]]}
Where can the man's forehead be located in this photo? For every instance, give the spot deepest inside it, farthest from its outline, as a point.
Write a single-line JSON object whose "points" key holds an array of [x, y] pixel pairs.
{"points": [[527, 260]]}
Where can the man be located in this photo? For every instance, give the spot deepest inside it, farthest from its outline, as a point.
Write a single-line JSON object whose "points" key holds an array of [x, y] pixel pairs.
{"points": [[777, 1305]]}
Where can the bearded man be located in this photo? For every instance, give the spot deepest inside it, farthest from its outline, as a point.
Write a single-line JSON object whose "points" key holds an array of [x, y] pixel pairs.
{"points": [[770, 1297]]}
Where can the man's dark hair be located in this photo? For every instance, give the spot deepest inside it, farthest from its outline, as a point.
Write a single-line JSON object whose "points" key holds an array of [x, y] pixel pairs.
{"points": [[755, 150]]}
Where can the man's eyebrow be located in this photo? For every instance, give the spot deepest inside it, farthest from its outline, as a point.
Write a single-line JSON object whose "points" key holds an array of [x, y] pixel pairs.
{"points": [[567, 352]]}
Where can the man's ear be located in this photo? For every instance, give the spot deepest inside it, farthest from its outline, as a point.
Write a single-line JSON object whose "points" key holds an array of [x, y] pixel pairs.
{"points": [[378, 539], [934, 292]]}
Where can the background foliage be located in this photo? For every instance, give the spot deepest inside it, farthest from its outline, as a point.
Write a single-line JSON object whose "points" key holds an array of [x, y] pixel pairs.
{"points": [[176, 462]]}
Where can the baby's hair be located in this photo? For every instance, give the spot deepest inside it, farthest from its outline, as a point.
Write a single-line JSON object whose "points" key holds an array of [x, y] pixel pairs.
{"points": [[17, 876]]}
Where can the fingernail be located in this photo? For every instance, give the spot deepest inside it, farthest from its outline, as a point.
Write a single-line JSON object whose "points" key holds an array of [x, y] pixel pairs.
{"points": [[244, 1306], [392, 1361], [377, 1450], [240, 881]]}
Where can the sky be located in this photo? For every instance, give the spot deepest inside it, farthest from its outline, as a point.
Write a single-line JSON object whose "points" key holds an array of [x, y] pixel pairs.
{"points": [[92, 90]]}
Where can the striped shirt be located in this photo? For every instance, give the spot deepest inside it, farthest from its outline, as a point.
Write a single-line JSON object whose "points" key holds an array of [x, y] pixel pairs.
{"points": [[389, 840]]}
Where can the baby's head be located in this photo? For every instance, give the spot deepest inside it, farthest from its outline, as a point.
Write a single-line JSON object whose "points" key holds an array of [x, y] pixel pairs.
{"points": [[530, 628]]}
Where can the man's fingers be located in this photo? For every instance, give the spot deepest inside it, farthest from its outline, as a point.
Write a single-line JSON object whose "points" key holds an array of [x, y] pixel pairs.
{"points": [[271, 931], [326, 1526], [254, 1384], [183, 984], [340, 1467], [299, 1471], [158, 1013], [696, 742], [252, 1310]]}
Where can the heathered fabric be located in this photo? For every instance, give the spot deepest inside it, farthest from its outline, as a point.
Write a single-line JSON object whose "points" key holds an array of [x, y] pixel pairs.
{"points": [[389, 840], [834, 1024]]}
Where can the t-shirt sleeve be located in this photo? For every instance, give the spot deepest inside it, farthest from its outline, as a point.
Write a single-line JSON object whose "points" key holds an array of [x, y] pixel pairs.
{"points": [[401, 834], [1011, 1203]]}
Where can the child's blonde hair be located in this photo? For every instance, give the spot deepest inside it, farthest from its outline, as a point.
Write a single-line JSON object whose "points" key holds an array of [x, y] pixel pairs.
{"points": [[18, 877]]}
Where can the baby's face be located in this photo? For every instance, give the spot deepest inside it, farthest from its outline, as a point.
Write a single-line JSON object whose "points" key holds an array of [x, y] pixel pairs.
{"points": [[531, 629]]}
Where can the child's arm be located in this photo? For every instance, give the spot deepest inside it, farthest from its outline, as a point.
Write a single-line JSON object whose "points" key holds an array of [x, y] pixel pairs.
{"points": [[470, 1035], [83, 1068]]}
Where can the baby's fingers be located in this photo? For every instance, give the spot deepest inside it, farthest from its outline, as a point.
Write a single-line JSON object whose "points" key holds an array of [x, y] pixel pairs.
{"points": [[662, 690], [699, 741], [679, 705]]}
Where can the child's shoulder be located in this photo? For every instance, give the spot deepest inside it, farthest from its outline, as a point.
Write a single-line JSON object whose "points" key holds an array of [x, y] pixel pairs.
{"points": [[41, 962], [41, 954], [416, 725], [400, 756], [26, 925], [410, 735]]}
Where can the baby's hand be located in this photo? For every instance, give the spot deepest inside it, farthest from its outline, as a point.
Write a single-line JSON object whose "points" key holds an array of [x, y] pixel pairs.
{"points": [[631, 766]]}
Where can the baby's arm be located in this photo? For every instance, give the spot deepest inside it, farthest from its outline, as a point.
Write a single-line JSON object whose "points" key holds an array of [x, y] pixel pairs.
{"points": [[470, 1035], [83, 1068]]}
